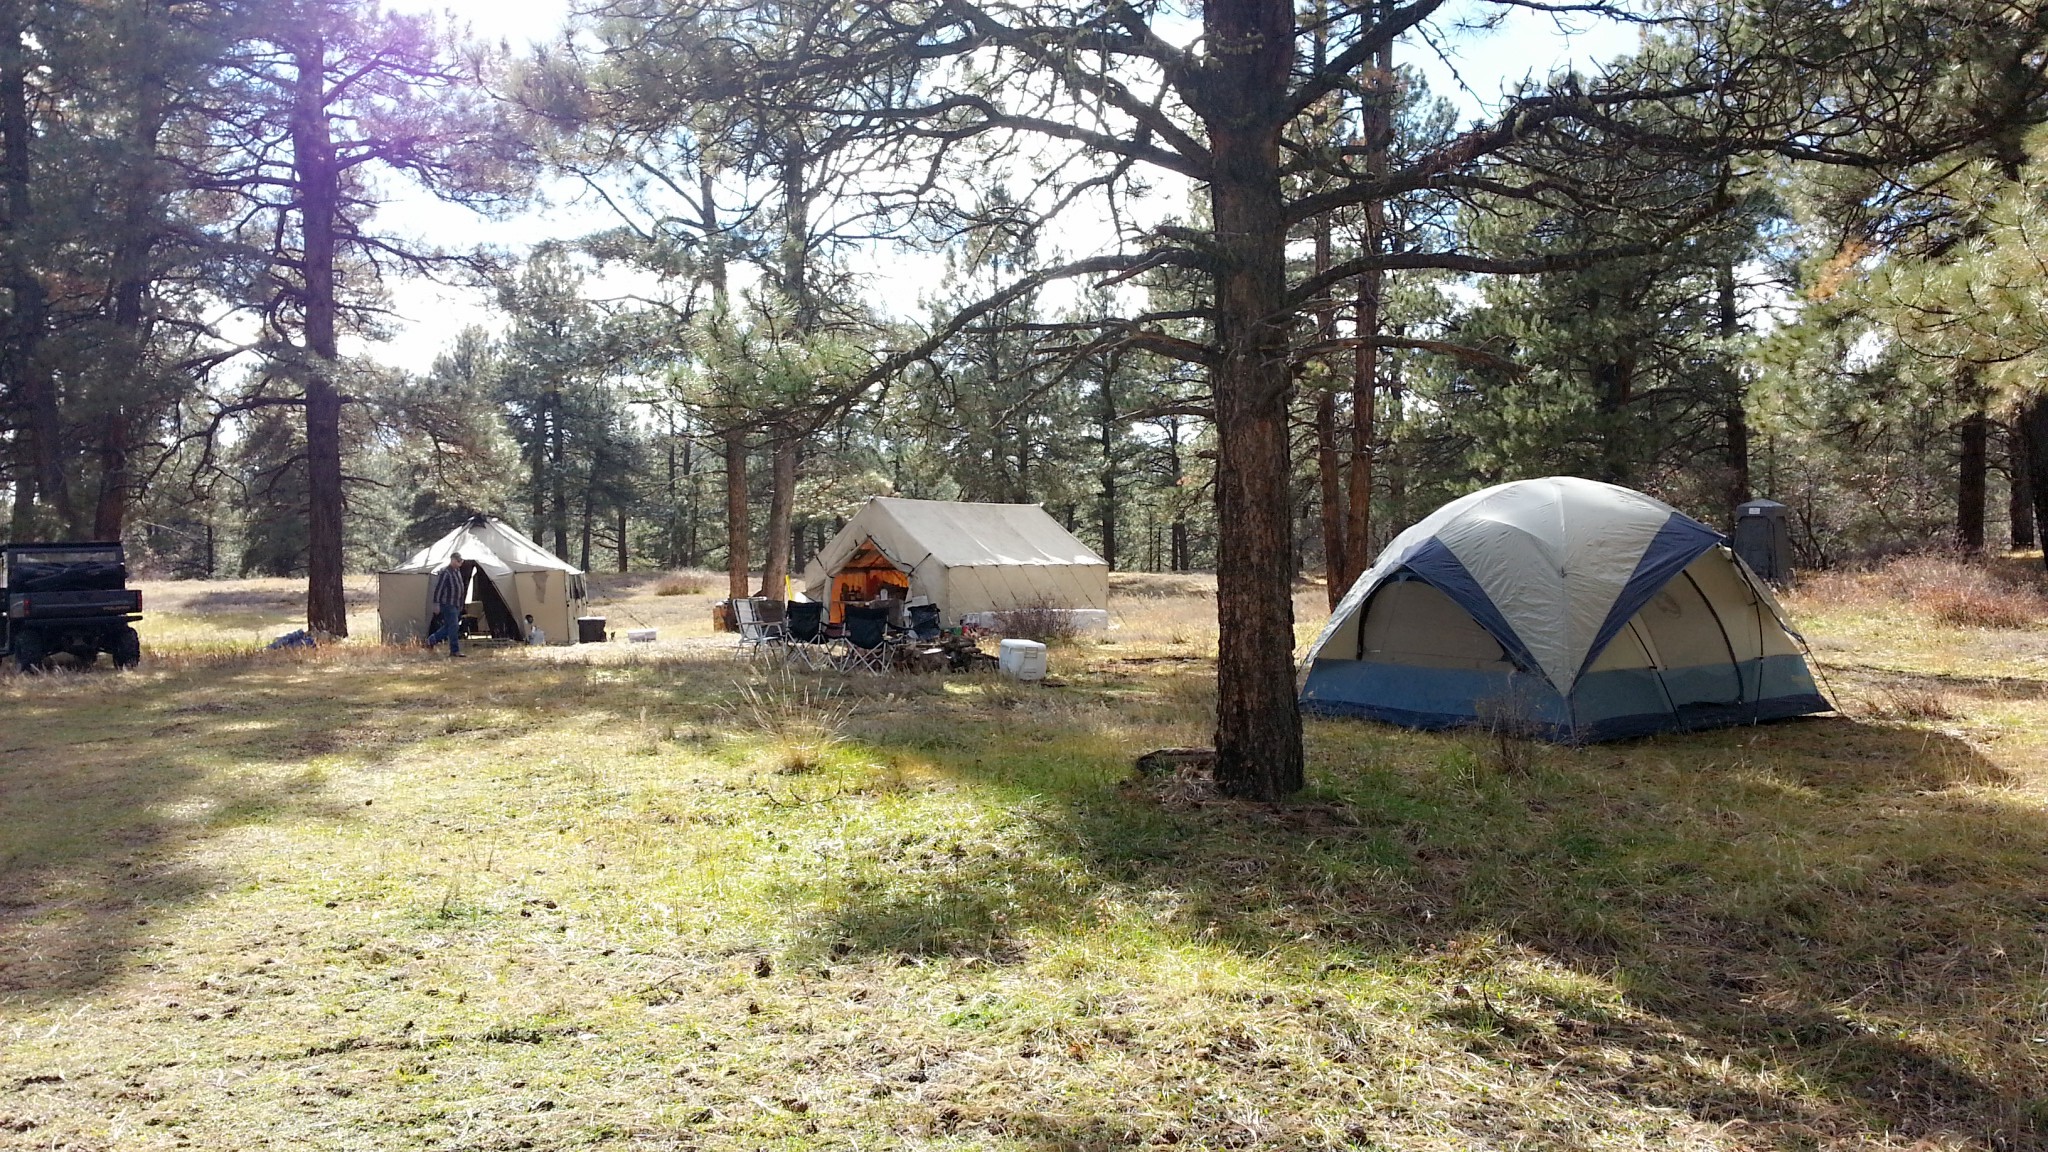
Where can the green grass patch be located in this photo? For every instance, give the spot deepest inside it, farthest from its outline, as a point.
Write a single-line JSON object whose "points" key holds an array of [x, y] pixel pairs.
{"points": [[617, 899]]}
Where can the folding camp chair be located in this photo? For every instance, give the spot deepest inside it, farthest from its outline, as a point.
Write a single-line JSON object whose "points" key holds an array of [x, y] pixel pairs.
{"points": [[758, 633], [924, 623], [866, 643], [805, 622]]}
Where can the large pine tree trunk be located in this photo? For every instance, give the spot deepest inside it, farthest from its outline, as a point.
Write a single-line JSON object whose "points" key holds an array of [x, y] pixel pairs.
{"points": [[41, 496], [1973, 473], [1329, 473], [128, 289], [558, 475], [1258, 730], [2033, 421], [2019, 507], [1365, 372], [736, 560], [319, 192], [781, 503], [1376, 127], [1107, 510], [1735, 414]]}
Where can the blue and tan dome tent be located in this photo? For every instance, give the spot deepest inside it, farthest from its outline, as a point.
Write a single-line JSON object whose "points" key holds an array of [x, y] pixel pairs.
{"points": [[1580, 610]]}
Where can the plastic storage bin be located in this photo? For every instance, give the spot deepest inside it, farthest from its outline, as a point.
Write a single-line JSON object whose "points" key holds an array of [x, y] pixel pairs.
{"points": [[1022, 659]]}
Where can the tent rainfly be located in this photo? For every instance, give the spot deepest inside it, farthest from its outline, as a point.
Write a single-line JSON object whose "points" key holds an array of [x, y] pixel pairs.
{"points": [[1573, 609], [510, 578], [966, 558]]}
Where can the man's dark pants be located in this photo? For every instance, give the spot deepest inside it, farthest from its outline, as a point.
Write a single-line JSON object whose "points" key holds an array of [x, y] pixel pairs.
{"points": [[450, 629]]}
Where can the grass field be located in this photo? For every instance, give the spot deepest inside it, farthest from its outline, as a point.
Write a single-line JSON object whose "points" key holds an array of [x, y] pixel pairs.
{"points": [[630, 897]]}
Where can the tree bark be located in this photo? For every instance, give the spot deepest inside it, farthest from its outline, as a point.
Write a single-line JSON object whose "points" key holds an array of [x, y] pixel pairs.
{"points": [[1258, 730], [319, 194], [1329, 464], [41, 497], [692, 510], [1364, 430], [1377, 127], [1736, 414], [2034, 429], [782, 463], [128, 290], [589, 513], [1973, 473], [558, 475], [2019, 506], [1613, 391], [623, 564], [1107, 516], [736, 560], [1330, 473]]}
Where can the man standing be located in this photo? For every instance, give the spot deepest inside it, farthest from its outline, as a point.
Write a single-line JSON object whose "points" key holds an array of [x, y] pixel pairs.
{"points": [[449, 589]]}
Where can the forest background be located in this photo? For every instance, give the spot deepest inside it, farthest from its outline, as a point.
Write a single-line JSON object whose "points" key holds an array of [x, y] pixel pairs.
{"points": [[1221, 285]]}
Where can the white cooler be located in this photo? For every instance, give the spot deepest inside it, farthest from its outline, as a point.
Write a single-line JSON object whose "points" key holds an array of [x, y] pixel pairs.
{"points": [[1022, 659]]}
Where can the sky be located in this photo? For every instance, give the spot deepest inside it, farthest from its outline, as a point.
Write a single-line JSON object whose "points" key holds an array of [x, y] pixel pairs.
{"points": [[1482, 65]]}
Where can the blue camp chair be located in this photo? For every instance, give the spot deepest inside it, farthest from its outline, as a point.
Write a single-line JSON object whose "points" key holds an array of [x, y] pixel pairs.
{"points": [[807, 635], [866, 644]]}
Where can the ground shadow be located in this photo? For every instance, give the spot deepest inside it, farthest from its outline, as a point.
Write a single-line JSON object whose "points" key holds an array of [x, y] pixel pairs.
{"points": [[1810, 901], [113, 778]]}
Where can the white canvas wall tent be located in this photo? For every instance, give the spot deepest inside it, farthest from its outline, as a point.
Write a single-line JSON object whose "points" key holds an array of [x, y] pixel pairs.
{"points": [[964, 557], [1573, 609], [510, 578]]}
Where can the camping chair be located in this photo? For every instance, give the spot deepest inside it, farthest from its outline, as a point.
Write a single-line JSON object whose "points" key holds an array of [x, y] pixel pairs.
{"points": [[758, 633], [866, 643], [804, 621], [924, 623]]}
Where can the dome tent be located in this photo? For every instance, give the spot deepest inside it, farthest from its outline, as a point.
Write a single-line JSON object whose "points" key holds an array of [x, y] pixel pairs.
{"points": [[1581, 610], [519, 579]]}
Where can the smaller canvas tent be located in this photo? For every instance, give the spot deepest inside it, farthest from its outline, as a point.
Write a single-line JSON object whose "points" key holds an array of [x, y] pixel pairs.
{"points": [[510, 578], [966, 558], [1580, 610]]}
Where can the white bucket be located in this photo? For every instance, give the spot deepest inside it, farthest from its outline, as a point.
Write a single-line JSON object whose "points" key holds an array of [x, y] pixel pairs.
{"points": [[1022, 659], [639, 635]]}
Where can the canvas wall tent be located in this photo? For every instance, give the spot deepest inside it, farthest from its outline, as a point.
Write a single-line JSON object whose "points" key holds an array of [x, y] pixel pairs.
{"points": [[511, 577], [1579, 609], [964, 557]]}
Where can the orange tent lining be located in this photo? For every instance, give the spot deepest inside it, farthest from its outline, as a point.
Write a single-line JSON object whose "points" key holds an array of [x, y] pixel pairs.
{"points": [[863, 577]]}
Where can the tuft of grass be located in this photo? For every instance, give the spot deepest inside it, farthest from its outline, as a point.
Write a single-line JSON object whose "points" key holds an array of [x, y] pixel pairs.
{"points": [[798, 721], [1910, 702]]}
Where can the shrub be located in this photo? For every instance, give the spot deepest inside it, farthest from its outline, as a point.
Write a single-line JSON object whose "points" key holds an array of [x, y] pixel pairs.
{"points": [[1040, 621]]}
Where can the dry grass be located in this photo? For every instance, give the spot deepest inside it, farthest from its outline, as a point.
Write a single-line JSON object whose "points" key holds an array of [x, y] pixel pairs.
{"points": [[1910, 702], [1944, 589], [639, 898], [685, 582]]}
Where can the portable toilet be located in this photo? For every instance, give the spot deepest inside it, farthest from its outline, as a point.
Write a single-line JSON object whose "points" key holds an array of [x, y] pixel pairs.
{"points": [[1763, 538]]}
